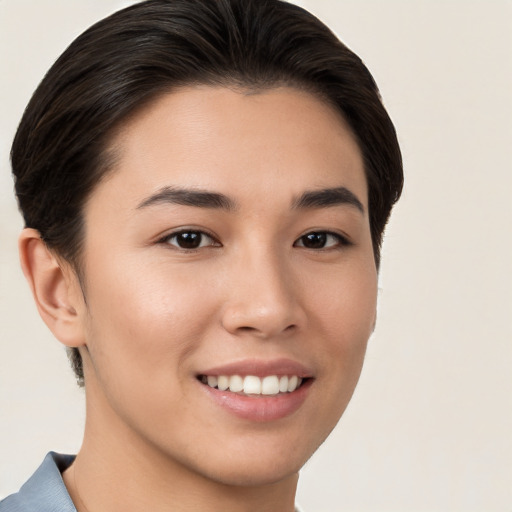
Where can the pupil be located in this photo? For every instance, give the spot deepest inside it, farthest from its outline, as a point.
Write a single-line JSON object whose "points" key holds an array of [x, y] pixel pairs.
{"points": [[315, 240], [189, 240]]}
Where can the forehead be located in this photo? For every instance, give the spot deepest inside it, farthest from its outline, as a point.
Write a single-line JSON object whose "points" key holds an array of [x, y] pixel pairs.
{"points": [[236, 142]]}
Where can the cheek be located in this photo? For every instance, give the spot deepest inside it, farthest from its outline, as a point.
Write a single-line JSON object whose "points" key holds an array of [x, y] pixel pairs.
{"points": [[342, 309], [147, 322], [345, 301], [345, 309]]}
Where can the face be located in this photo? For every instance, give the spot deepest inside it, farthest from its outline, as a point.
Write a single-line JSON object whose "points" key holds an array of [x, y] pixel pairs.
{"points": [[230, 282]]}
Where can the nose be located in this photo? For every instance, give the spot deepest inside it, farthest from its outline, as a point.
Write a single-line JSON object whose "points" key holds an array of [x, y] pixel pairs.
{"points": [[263, 298]]}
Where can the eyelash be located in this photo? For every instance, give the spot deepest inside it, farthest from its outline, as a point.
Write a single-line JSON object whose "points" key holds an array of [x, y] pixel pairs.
{"points": [[340, 240], [195, 232]]}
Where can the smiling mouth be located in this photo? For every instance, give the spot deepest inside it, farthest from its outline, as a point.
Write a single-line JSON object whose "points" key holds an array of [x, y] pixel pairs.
{"points": [[251, 385]]}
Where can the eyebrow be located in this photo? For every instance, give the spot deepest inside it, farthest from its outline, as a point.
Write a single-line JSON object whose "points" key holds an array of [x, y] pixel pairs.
{"points": [[189, 197], [328, 197], [198, 198]]}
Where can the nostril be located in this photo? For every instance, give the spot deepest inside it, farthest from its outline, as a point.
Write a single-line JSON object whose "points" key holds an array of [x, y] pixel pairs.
{"points": [[265, 321], [262, 332], [244, 328]]}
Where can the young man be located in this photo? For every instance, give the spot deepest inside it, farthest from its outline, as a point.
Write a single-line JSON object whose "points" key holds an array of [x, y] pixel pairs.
{"points": [[205, 185]]}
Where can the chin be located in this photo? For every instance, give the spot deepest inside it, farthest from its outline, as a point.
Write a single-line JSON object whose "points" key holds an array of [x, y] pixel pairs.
{"points": [[255, 473], [259, 462]]}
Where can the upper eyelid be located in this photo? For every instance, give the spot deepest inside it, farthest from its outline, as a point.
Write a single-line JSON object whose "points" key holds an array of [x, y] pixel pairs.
{"points": [[344, 240], [178, 231], [342, 236]]}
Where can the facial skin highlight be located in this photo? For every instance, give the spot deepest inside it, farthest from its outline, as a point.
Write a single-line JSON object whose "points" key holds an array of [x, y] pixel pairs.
{"points": [[232, 236]]}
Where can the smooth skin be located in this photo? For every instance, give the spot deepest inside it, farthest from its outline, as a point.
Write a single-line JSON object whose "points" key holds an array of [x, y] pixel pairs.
{"points": [[172, 290]]}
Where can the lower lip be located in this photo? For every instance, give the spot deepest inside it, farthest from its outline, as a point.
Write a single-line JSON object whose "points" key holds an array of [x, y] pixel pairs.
{"points": [[260, 408]]}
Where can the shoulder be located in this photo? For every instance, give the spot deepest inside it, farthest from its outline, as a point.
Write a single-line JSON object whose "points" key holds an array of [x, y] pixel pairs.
{"points": [[44, 491]]}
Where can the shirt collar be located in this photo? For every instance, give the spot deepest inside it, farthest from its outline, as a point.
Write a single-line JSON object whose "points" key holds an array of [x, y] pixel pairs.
{"points": [[45, 489]]}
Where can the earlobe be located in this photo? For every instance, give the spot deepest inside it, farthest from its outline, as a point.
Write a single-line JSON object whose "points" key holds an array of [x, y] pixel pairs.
{"points": [[55, 288]]}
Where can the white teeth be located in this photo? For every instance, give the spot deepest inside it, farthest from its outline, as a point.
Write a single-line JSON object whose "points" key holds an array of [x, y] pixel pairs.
{"points": [[236, 384], [270, 385], [252, 385], [292, 383], [223, 382]]}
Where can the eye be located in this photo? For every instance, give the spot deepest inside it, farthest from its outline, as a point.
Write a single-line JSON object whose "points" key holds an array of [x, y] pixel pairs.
{"points": [[321, 240], [190, 239]]}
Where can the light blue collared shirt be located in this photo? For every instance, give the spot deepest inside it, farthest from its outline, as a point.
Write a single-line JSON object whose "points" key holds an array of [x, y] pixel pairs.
{"points": [[44, 491]]}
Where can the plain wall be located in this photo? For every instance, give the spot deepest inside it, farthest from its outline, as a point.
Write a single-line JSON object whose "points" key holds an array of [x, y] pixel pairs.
{"points": [[429, 427]]}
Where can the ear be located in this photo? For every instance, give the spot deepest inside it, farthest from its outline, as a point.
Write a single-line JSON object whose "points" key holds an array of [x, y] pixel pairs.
{"points": [[55, 288]]}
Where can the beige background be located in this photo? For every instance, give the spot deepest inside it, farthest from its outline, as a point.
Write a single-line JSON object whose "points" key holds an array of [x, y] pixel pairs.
{"points": [[429, 428]]}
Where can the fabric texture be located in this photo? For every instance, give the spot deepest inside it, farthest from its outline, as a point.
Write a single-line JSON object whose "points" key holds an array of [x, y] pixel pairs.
{"points": [[45, 491]]}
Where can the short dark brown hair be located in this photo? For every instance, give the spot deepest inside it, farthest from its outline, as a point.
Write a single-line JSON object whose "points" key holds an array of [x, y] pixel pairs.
{"points": [[60, 151]]}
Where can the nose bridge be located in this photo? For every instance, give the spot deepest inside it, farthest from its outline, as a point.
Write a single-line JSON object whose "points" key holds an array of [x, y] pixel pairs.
{"points": [[262, 297]]}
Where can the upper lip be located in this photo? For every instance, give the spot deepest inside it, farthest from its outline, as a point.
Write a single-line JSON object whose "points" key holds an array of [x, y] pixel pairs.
{"points": [[261, 368]]}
